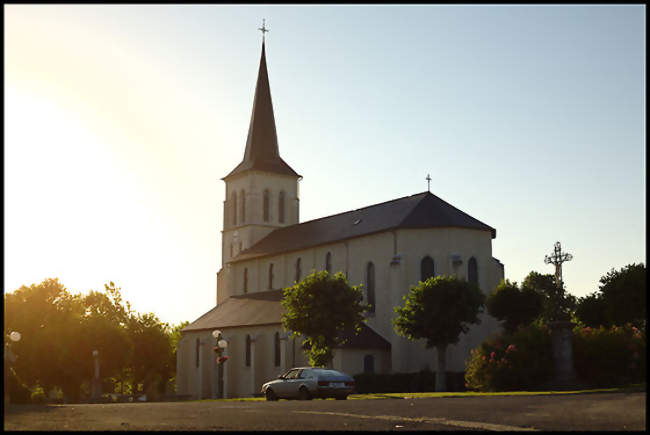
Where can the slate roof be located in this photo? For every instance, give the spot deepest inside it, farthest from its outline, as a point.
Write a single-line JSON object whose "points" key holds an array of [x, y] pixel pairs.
{"points": [[423, 210], [264, 308], [251, 309], [366, 339], [262, 143]]}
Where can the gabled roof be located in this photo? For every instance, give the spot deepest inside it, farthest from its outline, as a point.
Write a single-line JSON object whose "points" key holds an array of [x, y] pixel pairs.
{"points": [[423, 210], [262, 142], [366, 339], [251, 309]]}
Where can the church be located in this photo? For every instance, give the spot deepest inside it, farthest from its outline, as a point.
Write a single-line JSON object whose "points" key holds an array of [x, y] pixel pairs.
{"points": [[387, 247]]}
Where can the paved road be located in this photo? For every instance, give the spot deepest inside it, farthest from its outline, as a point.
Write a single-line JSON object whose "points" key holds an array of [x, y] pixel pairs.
{"points": [[601, 411]]}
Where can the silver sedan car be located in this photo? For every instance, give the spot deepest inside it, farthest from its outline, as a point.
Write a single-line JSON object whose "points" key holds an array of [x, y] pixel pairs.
{"points": [[306, 383]]}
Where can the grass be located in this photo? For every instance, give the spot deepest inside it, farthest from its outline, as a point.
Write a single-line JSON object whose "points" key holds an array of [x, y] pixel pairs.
{"points": [[371, 396]]}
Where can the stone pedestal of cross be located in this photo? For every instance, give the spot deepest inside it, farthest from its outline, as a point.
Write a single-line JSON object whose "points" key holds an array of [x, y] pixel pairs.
{"points": [[561, 331]]}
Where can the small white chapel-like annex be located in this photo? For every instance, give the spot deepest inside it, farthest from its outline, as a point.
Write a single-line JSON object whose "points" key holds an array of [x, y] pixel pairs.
{"points": [[387, 247]]}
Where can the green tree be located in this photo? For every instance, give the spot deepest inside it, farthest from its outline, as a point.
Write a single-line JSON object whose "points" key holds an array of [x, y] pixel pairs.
{"points": [[104, 330], [557, 303], [49, 319], [152, 362], [592, 311], [175, 335], [60, 330], [439, 310], [322, 308], [621, 298], [624, 294], [514, 306]]}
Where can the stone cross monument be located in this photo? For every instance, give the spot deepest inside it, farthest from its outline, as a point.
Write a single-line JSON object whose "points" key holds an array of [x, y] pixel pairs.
{"points": [[561, 333], [557, 258]]}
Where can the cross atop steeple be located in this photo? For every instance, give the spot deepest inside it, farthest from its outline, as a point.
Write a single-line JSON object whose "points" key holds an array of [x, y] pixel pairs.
{"points": [[428, 182], [262, 151], [263, 29]]}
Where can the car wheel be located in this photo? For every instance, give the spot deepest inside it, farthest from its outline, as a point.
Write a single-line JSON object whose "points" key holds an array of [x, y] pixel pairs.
{"points": [[270, 395], [303, 394], [343, 397]]}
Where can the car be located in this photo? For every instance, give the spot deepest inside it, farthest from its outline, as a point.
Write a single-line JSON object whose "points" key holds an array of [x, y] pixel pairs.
{"points": [[306, 383]]}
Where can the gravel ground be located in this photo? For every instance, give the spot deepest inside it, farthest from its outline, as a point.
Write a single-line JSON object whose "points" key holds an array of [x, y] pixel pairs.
{"points": [[596, 411]]}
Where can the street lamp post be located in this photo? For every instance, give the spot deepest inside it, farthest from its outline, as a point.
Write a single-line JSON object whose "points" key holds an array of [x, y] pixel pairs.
{"points": [[96, 388], [9, 358], [221, 346]]}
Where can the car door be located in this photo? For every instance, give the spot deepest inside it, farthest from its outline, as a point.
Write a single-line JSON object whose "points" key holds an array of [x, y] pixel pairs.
{"points": [[294, 383], [309, 379], [284, 388]]}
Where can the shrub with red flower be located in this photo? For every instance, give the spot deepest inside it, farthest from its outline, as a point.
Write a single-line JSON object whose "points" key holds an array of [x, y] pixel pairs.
{"points": [[609, 356], [525, 363]]}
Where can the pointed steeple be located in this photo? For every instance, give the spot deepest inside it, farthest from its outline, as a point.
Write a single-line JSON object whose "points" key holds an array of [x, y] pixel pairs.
{"points": [[262, 143]]}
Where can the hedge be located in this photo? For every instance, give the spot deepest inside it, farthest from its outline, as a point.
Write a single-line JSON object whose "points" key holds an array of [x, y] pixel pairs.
{"points": [[418, 382]]}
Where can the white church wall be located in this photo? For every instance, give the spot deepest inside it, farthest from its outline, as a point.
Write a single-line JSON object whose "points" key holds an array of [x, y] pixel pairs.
{"points": [[378, 249], [225, 286], [243, 380], [440, 244], [193, 380], [254, 183], [241, 233], [338, 255], [284, 268], [412, 245], [182, 366]]}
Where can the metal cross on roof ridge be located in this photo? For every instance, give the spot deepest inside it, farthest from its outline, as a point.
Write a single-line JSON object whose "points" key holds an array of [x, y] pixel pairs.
{"points": [[263, 29], [428, 182]]}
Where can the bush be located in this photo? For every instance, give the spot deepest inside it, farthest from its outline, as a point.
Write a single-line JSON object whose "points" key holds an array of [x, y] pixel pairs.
{"points": [[419, 382], [609, 356], [522, 360], [38, 395], [603, 357]]}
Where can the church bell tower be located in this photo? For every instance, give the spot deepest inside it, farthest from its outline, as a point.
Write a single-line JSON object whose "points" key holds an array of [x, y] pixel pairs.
{"points": [[262, 191]]}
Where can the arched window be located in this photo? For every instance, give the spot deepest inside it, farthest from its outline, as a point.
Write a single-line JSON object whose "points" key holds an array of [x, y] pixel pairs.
{"points": [[265, 207], [427, 269], [198, 345], [270, 276], [242, 199], [328, 262], [276, 346], [234, 207], [281, 207], [248, 350], [472, 271], [245, 280], [298, 270], [368, 364], [370, 286]]}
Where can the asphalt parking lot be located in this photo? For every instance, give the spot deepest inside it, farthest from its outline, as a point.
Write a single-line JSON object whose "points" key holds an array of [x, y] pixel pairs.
{"points": [[596, 411]]}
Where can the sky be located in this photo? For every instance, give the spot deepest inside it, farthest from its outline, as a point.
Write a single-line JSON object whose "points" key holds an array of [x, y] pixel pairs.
{"points": [[121, 120]]}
